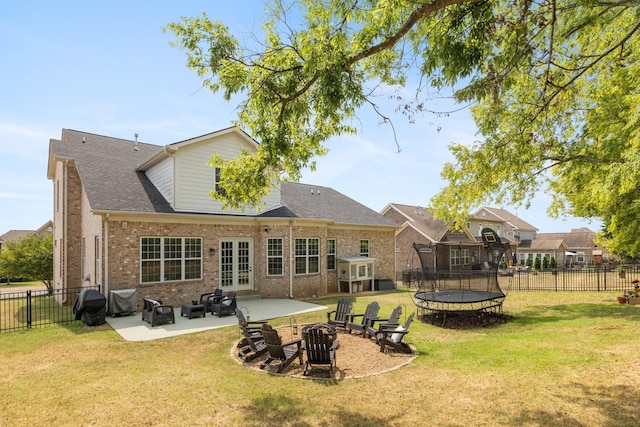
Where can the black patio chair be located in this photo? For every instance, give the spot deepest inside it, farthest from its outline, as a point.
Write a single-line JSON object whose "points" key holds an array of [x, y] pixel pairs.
{"points": [[209, 298], [366, 319], [377, 324], [225, 306], [156, 313], [252, 344], [285, 353], [393, 336], [253, 329], [340, 316], [320, 349]]}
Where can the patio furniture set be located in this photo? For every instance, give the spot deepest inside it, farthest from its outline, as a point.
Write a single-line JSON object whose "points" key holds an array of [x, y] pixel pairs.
{"points": [[216, 302], [319, 341]]}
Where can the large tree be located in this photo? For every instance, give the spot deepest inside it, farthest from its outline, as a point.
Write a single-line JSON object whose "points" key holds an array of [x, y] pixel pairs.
{"points": [[552, 85], [30, 257]]}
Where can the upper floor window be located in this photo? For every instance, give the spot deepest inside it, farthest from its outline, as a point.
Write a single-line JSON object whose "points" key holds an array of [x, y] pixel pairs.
{"points": [[364, 247], [331, 254], [219, 189], [275, 256], [164, 259], [307, 255]]}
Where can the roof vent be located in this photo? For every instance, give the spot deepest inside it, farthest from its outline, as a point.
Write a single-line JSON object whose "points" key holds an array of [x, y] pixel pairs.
{"points": [[83, 140], [135, 143]]}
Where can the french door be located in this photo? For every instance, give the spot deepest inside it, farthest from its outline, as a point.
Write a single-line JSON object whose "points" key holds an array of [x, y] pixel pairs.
{"points": [[236, 264]]}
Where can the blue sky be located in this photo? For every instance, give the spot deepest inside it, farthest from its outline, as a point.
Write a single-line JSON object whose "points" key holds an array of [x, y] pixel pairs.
{"points": [[107, 68]]}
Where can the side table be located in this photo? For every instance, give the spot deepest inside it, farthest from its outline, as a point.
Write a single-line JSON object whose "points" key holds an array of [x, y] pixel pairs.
{"points": [[192, 310]]}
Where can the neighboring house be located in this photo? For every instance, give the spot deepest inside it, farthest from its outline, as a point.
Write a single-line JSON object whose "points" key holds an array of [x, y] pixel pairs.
{"points": [[450, 250], [581, 248], [502, 222], [135, 215], [13, 235], [544, 246]]}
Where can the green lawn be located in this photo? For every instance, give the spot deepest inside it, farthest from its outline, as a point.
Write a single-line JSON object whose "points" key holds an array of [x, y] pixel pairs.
{"points": [[564, 359]]}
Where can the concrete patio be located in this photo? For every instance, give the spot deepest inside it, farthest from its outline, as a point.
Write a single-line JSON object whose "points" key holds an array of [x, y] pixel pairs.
{"points": [[133, 328]]}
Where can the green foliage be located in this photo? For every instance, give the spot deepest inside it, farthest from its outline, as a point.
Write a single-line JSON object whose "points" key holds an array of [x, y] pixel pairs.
{"points": [[528, 262], [31, 257], [545, 263], [553, 86], [537, 263], [559, 110], [552, 263]]}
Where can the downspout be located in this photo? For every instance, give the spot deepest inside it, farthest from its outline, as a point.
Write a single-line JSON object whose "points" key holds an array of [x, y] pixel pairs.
{"points": [[105, 257], [291, 259], [65, 233]]}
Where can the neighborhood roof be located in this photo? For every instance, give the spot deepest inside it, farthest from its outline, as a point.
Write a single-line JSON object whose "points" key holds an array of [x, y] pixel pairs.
{"points": [[13, 235], [543, 243], [578, 238], [109, 172], [423, 221], [505, 216]]}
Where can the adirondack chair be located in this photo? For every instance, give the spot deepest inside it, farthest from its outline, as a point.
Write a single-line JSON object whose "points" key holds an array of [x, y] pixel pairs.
{"points": [[252, 344], [279, 352], [340, 314], [320, 349], [392, 337], [225, 306], [373, 330], [254, 329], [366, 319]]}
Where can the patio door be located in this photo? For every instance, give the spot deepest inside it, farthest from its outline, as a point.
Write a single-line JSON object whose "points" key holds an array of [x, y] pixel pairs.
{"points": [[236, 264]]}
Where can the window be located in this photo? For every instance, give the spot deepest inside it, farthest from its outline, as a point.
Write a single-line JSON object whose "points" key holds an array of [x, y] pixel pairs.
{"points": [[275, 259], [165, 259], [460, 256], [455, 257], [307, 256], [219, 189], [364, 247], [331, 254]]}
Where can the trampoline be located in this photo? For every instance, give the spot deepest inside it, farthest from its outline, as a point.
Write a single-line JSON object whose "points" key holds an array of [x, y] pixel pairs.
{"points": [[463, 291]]}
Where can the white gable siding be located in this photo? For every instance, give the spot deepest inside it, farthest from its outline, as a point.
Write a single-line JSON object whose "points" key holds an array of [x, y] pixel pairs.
{"points": [[161, 176], [195, 178]]}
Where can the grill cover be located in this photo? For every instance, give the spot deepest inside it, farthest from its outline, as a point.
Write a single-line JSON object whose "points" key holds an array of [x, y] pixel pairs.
{"points": [[123, 301], [90, 307]]}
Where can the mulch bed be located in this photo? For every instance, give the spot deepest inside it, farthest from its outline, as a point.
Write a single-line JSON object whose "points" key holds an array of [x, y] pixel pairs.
{"points": [[356, 357], [465, 319]]}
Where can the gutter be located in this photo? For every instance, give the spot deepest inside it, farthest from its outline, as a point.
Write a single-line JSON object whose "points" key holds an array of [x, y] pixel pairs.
{"points": [[291, 259]]}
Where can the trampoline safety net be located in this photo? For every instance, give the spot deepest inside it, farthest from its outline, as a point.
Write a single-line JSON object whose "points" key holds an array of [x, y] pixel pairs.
{"points": [[463, 290]]}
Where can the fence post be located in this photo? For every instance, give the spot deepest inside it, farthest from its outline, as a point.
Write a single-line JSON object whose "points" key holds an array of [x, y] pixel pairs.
{"points": [[29, 308]]}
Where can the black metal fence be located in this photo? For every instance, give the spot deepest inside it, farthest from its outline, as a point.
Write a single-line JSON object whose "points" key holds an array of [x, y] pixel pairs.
{"points": [[34, 308], [557, 280]]}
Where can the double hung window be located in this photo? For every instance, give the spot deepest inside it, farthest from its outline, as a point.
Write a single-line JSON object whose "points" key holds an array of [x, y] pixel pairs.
{"points": [[164, 259]]}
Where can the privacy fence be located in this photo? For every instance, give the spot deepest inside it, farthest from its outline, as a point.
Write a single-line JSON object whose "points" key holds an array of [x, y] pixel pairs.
{"points": [[35, 308]]}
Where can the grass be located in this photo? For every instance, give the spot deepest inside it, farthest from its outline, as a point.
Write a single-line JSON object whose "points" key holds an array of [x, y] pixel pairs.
{"points": [[564, 359]]}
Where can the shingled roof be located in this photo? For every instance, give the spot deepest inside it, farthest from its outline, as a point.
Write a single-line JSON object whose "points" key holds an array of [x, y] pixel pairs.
{"points": [[505, 216], [108, 171]]}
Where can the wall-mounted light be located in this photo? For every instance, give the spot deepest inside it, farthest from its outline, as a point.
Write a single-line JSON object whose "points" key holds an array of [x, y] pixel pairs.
{"points": [[266, 229], [212, 251]]}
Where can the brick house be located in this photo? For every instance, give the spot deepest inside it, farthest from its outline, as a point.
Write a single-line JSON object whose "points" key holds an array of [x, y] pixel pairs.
{"points": [[451, 250], [136, 215], [581, 248]]}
